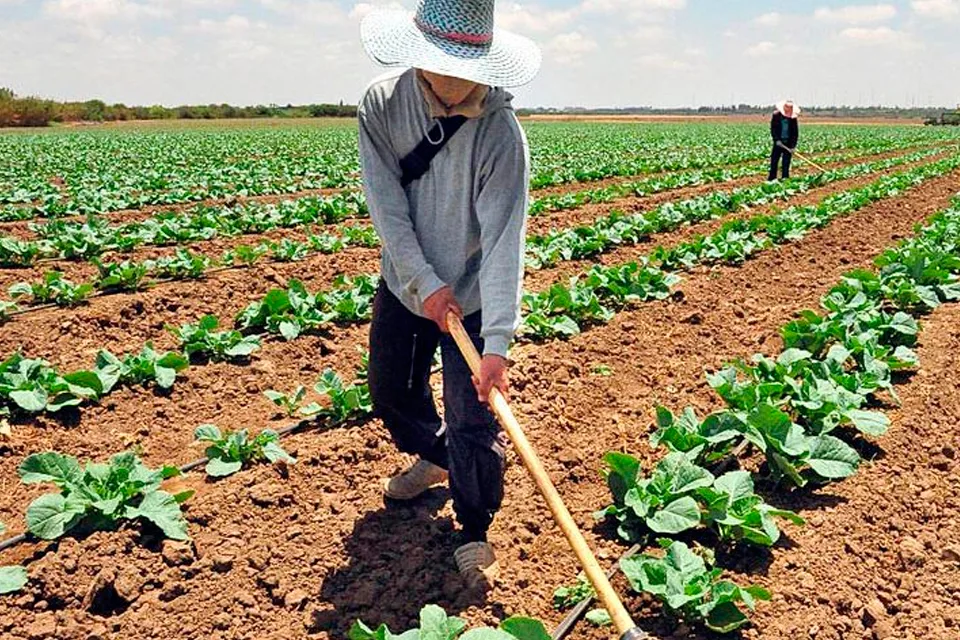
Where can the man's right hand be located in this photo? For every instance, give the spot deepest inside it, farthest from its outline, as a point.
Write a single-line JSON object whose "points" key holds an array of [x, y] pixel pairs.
{"points": [[439, 304]]}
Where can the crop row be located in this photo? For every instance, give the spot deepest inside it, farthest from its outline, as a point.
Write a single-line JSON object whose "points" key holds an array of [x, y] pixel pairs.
{"points": [[578, 153], [613, 230], [618, 229], [92, 172], [564, 308], [801, 411], [79, 241]]}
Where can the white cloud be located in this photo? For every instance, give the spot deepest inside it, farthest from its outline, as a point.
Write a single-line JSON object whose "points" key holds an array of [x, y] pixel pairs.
{"points": [[771, 19], [532, 18], [761, 48], [883, 36], [569, 48], [937, 8], [857, 14], [361, 9]]}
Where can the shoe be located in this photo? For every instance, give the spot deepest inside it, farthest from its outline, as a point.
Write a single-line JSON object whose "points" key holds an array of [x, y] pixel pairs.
{"points": [[414, 481], [477, 564]]}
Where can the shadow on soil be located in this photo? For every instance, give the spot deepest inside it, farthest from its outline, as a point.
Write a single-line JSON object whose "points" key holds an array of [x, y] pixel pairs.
{"points": [[401, 558]]}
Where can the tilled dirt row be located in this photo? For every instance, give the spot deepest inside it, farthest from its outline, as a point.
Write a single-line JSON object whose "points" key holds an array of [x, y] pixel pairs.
{"points": [[284, 557], [70, 337]]}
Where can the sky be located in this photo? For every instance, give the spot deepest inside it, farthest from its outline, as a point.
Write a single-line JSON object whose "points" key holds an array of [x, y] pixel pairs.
{"points": [[614, 53]]}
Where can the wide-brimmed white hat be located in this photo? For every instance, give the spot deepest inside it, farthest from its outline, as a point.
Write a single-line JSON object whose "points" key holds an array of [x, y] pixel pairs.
{"points": [[784, 103], [453, 38]]}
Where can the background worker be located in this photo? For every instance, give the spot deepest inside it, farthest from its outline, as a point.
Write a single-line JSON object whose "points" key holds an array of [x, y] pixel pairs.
{"points": [[453, 241], [785, 130]]}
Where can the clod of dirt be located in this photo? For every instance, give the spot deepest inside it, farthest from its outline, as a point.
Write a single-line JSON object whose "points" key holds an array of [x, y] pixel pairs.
{"points": [[177, 553], [44, 626], [295, 599], [269, 494], [912, 551], [873, 612], [104, 599], [222, 563]]}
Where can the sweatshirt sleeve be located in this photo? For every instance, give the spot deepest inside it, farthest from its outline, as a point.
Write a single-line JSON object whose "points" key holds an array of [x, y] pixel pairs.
{"points": [[389, 207], [502, 214]]}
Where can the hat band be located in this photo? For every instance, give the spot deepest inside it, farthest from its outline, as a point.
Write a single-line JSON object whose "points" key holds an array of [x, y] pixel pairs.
{"points": [[477, 39]]}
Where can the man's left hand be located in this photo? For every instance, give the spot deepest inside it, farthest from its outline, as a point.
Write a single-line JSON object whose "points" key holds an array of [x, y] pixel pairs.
{"points": [[493, 373]]}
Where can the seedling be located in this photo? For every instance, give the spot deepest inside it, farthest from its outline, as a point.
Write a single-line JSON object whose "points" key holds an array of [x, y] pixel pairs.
{"points": [[680, 579], [100, 495], [53, 288], [436, 625], [228, 452], [290, 403], [203, 339]]}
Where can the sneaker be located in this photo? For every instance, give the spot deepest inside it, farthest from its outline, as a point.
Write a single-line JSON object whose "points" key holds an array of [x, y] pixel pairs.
{"points": [[477, 564], [414, 481]]}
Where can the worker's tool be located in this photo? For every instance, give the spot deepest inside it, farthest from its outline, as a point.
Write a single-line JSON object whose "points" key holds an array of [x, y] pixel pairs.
{"points": [[801, 156], [498, 404]]}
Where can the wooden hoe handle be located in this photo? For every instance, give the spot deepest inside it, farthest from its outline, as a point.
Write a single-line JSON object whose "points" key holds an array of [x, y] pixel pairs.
{"points": [[498, 404], [803, 157]]}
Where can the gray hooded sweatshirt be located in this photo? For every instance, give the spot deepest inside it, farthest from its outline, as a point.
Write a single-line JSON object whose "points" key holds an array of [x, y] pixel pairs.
{"points": [[463, 223]]}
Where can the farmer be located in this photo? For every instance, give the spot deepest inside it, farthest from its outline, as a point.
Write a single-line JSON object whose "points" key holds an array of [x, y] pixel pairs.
{"points": [[786, 132], [452, 228]]}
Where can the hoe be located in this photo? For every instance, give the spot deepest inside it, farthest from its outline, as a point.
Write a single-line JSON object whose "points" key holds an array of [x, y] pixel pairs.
{"points": [[498, 404], [801, 156]]}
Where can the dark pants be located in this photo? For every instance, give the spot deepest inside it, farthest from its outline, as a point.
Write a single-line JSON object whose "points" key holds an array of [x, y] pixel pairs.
{"points": [[468, 442], [779, 152]]}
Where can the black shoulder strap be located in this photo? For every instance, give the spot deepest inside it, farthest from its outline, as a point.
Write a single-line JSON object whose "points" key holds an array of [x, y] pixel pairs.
{"points": [[416, 163]]}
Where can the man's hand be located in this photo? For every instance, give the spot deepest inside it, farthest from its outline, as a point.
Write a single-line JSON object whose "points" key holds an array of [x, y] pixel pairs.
{"points": [[493, 373], [439, 304]]}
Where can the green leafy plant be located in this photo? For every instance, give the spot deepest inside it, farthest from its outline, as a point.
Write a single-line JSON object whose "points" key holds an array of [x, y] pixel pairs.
{"points": [[679, 495], [289, 402], [33, 386], [6, 309], [228, 452], [436, 625], [245, 255], [124, 276], [346, 401], [680, 579], [183, 265], [146, 366], [100, 495], [566, 597], [53, 288], [12, 579], [288, 251], [203, 339]]}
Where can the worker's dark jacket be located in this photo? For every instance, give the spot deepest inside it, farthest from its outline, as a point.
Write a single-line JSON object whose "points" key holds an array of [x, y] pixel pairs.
{"points": [[776, 129]]}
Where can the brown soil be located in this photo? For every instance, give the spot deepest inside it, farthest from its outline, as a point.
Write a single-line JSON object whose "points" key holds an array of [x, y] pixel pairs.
{"points": [[290, 553]]}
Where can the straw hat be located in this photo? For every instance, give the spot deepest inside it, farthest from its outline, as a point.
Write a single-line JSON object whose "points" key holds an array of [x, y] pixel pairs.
{"points": [[453, 38], [784, 103]]}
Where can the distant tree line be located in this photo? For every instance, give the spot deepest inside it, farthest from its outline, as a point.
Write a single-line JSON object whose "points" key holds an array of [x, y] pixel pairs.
{"points": [[17, 111]]}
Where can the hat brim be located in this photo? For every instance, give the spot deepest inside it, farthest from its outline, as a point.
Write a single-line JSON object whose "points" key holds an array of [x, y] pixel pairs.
{"points": [[781, 105], [392, 38]]}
